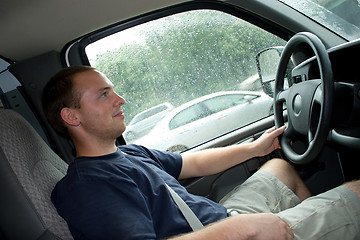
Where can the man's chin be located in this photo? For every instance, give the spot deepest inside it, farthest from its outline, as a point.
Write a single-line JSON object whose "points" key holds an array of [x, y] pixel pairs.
{"points": [[122, 130]]}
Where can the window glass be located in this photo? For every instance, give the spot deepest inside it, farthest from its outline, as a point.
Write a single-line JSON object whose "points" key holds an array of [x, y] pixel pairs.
{"points": [[186, 116], [8, 82], [341, 16], [221, 103], [181, 58]]}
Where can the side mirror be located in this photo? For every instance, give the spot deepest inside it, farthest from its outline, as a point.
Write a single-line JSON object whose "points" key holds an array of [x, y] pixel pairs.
{"points": [[267, 62]]}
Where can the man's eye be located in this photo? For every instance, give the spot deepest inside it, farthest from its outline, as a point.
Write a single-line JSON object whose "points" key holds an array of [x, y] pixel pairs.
{"points": [[104, 94]]}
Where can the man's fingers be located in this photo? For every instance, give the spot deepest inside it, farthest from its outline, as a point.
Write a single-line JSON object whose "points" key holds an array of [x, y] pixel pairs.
{"points": [[277, 130], [289, 231], [280, 130]]}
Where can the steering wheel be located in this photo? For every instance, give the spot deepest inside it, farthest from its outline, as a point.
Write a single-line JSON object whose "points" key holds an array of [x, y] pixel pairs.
{"points": [[309, 101]]}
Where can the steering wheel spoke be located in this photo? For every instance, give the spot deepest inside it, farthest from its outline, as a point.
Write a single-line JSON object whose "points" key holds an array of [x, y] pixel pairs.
{"points": [[283, 95]]}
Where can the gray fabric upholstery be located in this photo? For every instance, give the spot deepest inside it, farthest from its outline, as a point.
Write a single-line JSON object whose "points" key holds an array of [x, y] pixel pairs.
{"points": [[34, 74], [29, 170]]}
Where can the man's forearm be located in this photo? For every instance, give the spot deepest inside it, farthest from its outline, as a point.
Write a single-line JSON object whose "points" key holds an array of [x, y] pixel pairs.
{"points": [[261, 226], [211, 161], [216, 160]]}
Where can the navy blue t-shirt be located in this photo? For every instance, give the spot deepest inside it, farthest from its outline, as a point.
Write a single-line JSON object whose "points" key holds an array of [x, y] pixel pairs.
{"points": [[123, 196]]}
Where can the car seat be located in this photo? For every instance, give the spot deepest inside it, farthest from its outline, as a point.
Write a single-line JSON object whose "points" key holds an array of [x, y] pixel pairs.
{"points": [[29, 170]]}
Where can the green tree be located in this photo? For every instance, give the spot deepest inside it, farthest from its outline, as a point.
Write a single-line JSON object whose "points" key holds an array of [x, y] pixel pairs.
{"points": [[184, 56]]}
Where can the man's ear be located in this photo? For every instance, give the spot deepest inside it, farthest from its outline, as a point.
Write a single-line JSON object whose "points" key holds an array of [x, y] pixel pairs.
{"points": [[69, 116]]}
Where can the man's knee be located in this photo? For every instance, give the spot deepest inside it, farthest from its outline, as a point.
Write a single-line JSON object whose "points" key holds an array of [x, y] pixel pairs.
{"points": [[286, 173], [354, 186], [277, 164], [281, 169]]}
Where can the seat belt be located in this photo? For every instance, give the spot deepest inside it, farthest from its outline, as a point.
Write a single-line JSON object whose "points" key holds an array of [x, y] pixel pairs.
{"points": [[189, 215]]}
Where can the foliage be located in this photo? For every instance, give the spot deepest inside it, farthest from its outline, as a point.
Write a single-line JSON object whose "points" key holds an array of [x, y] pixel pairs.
{"points": [[182, 57]]}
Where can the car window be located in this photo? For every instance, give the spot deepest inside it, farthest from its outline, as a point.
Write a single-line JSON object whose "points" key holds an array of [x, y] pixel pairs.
{"points": [[341, 16], [178, 59], [148, 113], [5, 76], [223, 102], [188, 115]]}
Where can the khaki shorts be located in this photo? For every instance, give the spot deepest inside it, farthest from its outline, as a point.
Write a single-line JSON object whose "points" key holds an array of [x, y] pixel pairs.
{"points": [[331, 215]]}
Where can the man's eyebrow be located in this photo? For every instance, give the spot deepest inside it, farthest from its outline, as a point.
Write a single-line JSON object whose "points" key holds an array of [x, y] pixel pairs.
{"points": [[105, 88]]}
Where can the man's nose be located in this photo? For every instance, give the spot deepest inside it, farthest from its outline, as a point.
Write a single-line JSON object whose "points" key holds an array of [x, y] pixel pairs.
{"points": [[119, 100]]}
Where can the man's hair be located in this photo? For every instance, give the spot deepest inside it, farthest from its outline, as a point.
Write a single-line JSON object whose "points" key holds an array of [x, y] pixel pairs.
{"points": [[59, 93]]}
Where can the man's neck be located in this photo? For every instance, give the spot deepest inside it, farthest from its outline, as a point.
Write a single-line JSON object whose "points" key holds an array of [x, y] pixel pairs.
{"points": [[94, 149]]}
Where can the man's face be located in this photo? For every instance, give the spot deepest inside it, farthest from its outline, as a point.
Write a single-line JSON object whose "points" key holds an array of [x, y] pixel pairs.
{"points": [[100, 112]]}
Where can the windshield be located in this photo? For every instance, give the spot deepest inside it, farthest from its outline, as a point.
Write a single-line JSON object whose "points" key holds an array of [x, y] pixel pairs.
{"points": [[340, 16]]}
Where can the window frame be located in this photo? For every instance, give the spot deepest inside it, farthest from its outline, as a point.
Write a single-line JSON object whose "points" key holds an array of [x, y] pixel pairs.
{"points": [[76, 48], [75, 51]]}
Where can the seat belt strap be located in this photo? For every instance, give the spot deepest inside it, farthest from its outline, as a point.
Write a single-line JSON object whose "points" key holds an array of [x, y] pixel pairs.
{"points": [[189, 215]]}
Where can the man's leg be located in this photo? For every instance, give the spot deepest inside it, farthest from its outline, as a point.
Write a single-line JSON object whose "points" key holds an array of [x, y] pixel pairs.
{"points": [[274, 188], [354, 186], [286, 173], [331, 215], [334, 214]]}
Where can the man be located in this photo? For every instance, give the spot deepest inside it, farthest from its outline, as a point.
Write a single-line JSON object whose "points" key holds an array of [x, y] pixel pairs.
{"points": [[120, 192]]}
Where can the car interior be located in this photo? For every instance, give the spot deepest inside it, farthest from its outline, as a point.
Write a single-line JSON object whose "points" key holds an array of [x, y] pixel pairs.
{"points": [[315, 92]]}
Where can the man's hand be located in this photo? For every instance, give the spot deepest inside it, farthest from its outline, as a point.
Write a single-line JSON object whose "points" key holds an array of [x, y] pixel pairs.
{"points": [[262, 226], [267, 226], [268, 141]]}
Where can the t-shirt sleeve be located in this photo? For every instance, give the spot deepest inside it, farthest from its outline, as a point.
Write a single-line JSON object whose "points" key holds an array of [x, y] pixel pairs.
{"points": [[116, 215], [168, 161]]}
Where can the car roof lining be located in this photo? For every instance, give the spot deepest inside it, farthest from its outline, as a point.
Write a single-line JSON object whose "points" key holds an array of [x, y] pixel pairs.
{"points": [[52, 22], [55, 20]]}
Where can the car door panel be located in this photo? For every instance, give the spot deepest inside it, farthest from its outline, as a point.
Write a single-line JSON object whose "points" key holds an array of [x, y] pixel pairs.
{"points": [[325, 173]]}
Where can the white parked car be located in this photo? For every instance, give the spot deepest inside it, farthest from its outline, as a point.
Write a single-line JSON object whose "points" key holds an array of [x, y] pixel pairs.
{"points": [[143, 122], [207, 117]]}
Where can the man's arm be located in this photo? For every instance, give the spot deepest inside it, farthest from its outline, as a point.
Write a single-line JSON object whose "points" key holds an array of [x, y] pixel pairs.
{"points": [[262, 226], [211, 161]]}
